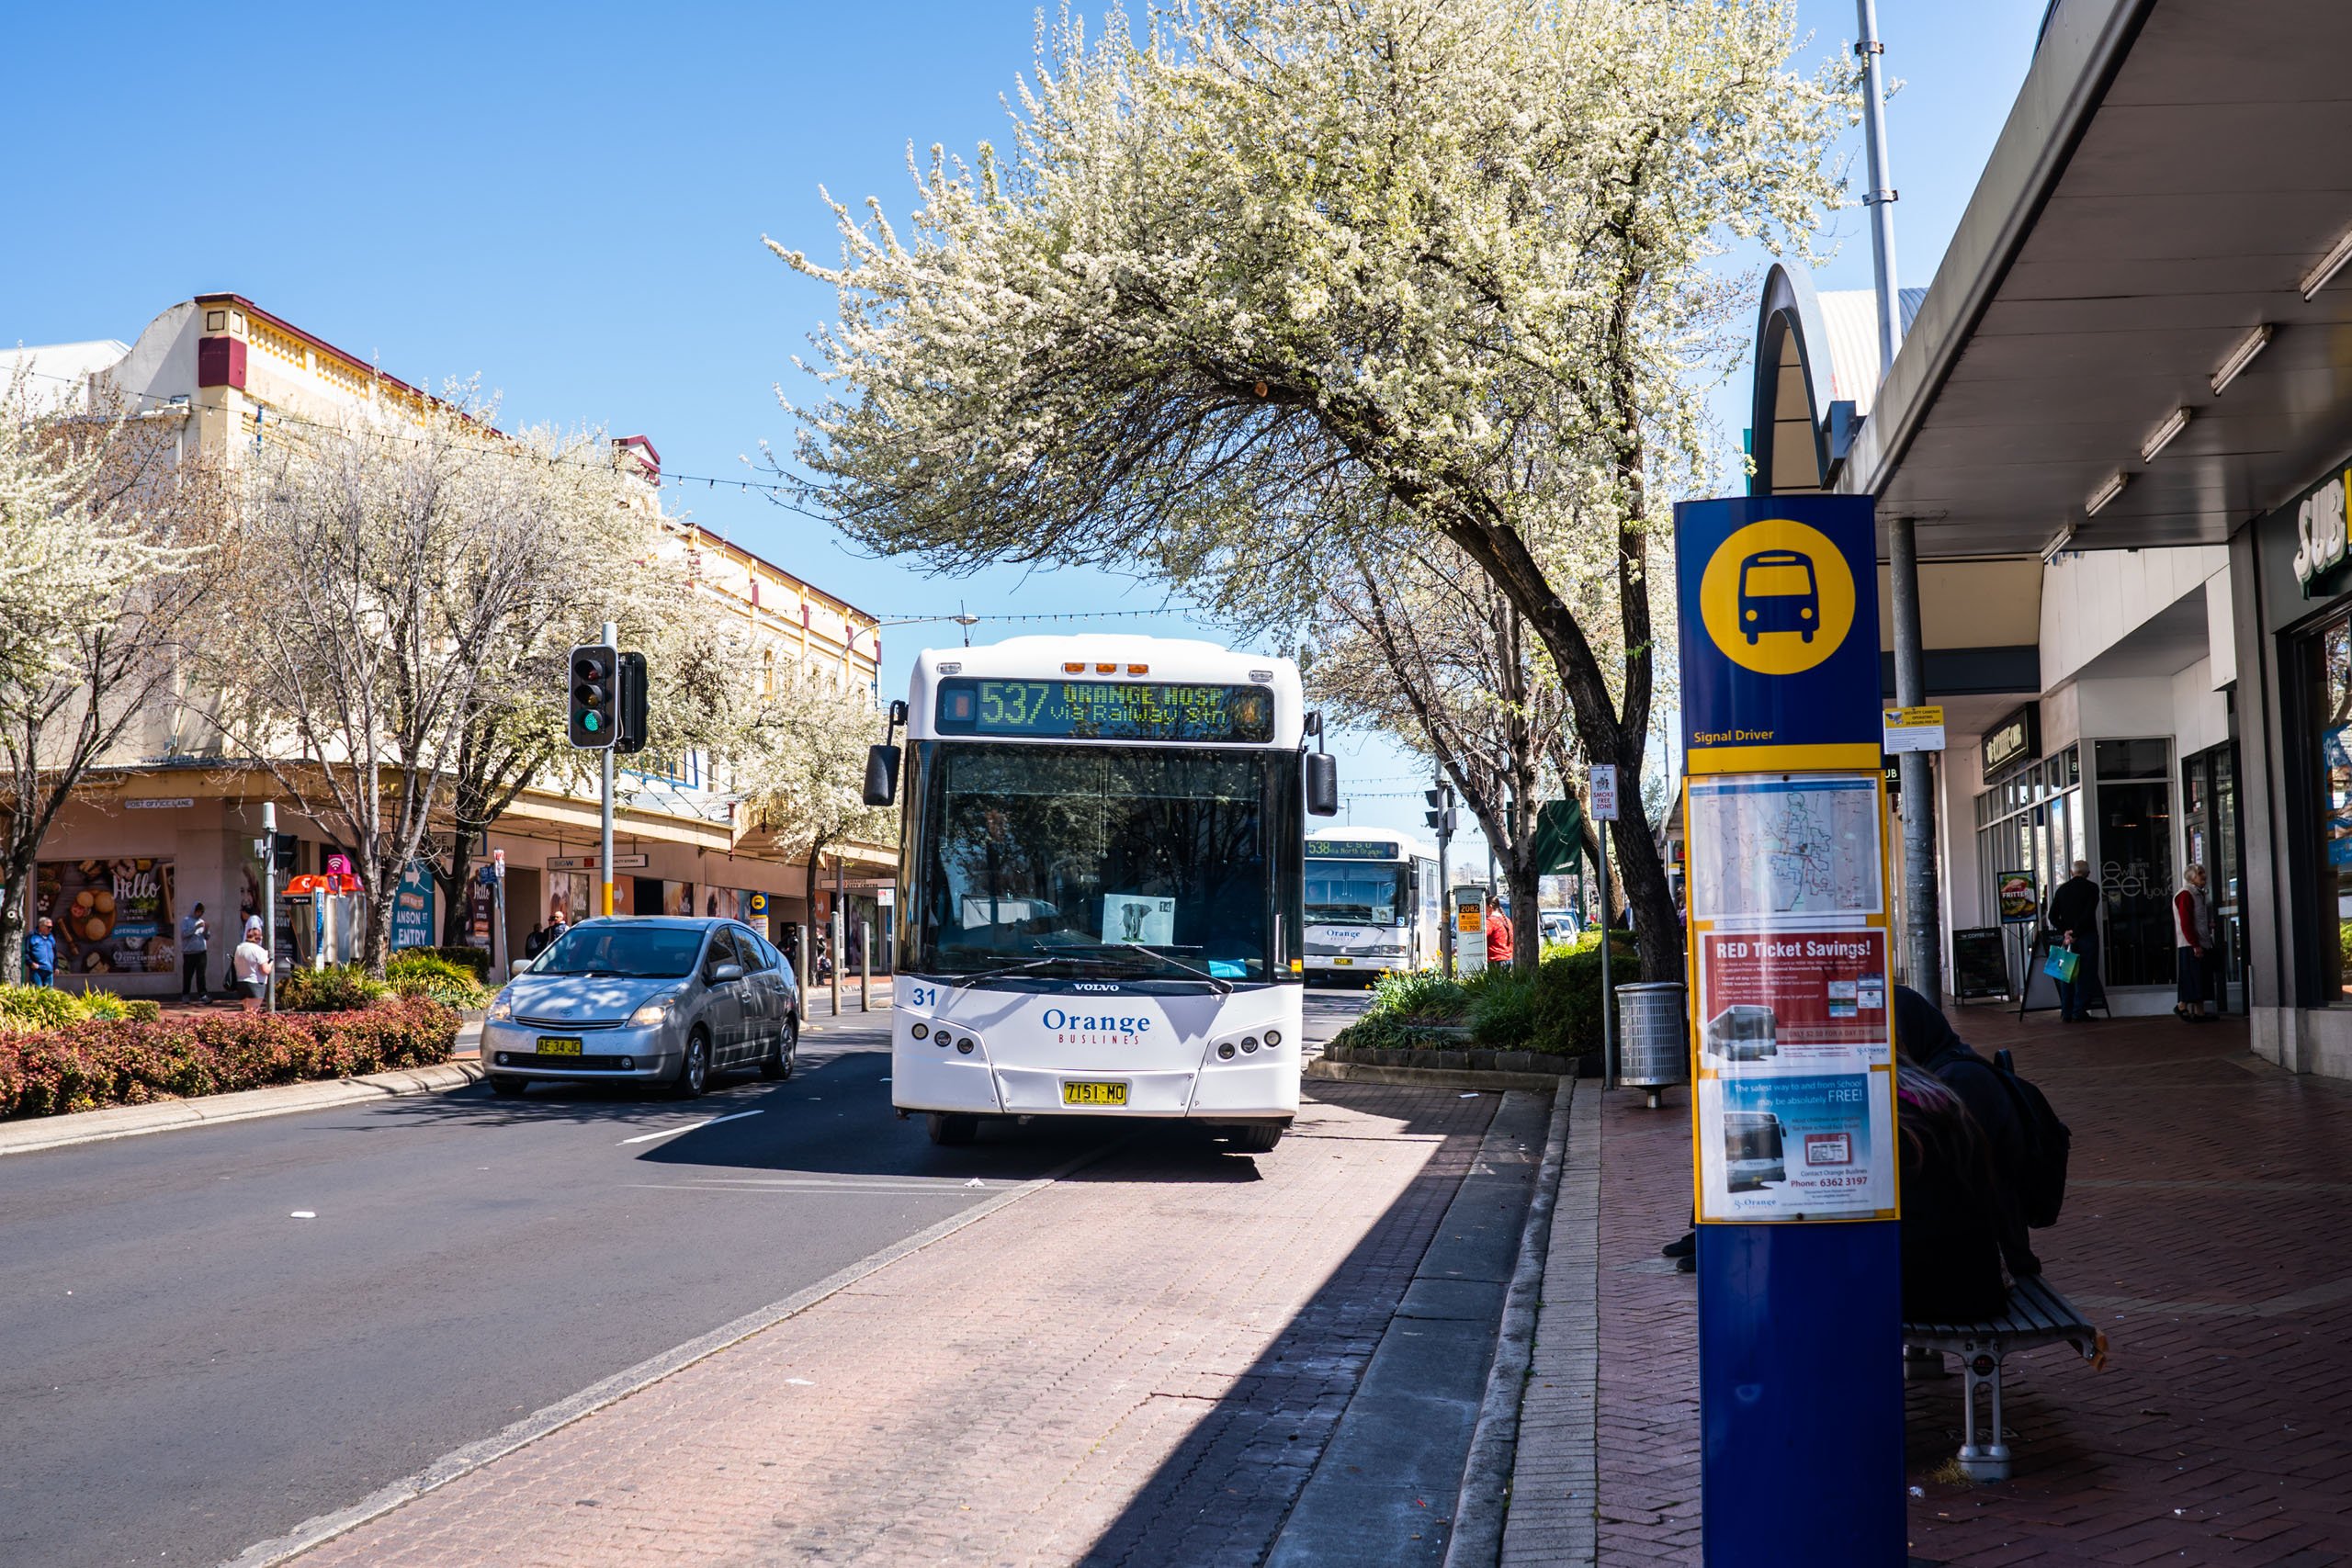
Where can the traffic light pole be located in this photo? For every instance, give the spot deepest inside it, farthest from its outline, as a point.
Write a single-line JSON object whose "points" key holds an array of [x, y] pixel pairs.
{"points": [[604, 836]]}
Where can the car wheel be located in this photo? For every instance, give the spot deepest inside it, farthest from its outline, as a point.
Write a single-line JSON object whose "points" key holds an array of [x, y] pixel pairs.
{"points": [[949, 1131], [507, 1086], [1258, 1139], [694, 1073], [784, 1051]]}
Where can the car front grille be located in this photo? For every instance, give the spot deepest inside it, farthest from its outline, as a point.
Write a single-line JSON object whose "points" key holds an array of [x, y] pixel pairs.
{"points": [[567, 1025], [568, 1064]]}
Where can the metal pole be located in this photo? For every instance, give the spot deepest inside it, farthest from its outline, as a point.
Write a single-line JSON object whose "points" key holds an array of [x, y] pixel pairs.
{"points": [[1607, 992], [605, 831], [268, 902], [838, 937], [1923, 917], [1881, 197], [1922, 911], [864, 966], [1444, 878]]}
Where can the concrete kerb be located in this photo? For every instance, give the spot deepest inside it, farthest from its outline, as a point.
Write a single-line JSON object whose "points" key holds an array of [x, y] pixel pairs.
{"points": [[611, 1391], [1483, 1503], [245, 1105], [1323, 1071]]}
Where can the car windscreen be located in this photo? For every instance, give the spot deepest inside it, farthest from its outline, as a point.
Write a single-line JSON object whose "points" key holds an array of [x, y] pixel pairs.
{"points": [[634, 952]]}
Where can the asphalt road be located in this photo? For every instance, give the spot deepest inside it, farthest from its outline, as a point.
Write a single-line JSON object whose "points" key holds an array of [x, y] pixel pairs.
{"points": [[190, 1366]]}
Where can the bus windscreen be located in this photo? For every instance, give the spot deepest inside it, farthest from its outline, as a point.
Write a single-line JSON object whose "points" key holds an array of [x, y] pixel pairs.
{"points": [[1106, 710]]}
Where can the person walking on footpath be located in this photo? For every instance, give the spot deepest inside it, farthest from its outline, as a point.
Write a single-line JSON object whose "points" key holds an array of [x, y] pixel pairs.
{"points": [[41, 954], [1497, 935], [2192, 920], [2073, 924], [195, 938], [250, 965]]}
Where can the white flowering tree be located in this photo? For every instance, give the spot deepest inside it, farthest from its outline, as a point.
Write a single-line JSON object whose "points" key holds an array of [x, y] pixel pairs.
{"points": [[1273, 253], [103, 550]]}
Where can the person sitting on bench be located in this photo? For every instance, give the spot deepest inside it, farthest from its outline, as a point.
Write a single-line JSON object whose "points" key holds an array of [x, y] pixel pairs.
{"points": [[1951, 1245], [1924, 1037]]}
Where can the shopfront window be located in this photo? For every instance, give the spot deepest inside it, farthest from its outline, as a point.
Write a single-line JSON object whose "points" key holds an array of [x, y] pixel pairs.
{"points": [[2030, 820], [2134, 784], [2332, 708]]}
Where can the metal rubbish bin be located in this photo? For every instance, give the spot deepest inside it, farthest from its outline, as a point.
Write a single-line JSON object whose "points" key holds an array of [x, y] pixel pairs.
{"points": [[1652, 1049]]}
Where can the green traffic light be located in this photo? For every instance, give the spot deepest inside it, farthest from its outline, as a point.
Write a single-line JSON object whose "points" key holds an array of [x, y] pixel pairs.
{"points": [[591, 722]]}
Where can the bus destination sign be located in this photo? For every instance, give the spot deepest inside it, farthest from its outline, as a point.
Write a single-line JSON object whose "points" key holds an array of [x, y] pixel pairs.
{"points": [[1350, 849], [1106, 710]]}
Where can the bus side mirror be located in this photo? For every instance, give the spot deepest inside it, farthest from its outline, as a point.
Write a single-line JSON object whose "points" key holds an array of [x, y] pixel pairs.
{"points": [[1322, 784], [881, 774]]}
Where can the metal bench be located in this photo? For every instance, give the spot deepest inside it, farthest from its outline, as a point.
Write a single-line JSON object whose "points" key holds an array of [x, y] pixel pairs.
{"points": [[2037, 1315]]}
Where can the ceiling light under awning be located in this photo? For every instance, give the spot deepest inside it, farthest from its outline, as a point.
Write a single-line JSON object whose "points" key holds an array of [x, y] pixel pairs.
{"points": [[2161, 437], [2241, 356], [2104, 493], [2330, 264]]}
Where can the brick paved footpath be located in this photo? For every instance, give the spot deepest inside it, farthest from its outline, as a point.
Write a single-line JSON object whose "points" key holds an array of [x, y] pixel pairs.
{"points": [[2208, 1229], [1138, 1364]]}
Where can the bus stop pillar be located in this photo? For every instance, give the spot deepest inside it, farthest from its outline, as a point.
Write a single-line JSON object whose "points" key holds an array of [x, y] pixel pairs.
{"points": [[1793, 1089]]}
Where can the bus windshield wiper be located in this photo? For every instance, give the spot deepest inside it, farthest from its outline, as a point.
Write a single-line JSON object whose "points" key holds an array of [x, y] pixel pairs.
{"points": [[1224, 987], [1000, 971]]}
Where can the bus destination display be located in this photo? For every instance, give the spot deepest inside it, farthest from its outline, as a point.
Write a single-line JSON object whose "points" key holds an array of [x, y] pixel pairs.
{"points": [[1106, 710]]}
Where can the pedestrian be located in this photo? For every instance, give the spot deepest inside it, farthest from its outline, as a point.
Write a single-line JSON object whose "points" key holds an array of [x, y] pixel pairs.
{"points": [[535, 943], [1951, 1236], [195, 938], [2073, 924], [41, 954], [1497, 934], [2192, 922], [250, 965], [1924, 1037]]}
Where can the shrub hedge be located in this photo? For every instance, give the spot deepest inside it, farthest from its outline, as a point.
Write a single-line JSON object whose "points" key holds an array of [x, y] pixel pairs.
{"points": [[474, 958], [92, 1061], [423, 972], [1556, 1011], [339, 987], [22, 1007]]}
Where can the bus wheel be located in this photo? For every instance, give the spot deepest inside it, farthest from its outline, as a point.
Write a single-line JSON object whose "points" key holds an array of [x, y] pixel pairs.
{"points": [[1257, 1139], [946, 1131]]}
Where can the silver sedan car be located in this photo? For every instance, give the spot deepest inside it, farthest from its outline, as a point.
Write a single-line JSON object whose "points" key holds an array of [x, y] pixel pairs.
{"points": [[662, 1001]]}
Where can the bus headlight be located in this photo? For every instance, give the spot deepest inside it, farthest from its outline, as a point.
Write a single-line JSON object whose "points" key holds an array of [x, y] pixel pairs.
{"points": [[920, 1031], [1274, 1037], [1225, 1052]]}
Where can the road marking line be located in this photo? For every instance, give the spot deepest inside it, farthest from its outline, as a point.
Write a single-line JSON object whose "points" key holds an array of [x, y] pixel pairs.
{"points": [[620, 1386], [689, 1127]]}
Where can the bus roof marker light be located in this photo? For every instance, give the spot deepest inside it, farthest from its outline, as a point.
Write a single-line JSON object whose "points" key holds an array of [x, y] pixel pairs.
{"points": [[2241, 356], [1077, 668], [1138, 669], [2161, 437], [1110, 668], [2329, 266], [2104, 493]]}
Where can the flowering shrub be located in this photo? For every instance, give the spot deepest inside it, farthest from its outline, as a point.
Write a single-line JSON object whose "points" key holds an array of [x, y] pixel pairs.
{"points": [[24, 1007], [85, 1064]]}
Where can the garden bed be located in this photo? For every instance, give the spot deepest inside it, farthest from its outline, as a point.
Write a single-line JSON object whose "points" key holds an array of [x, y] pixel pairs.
{"points": [[1495, 1020]]}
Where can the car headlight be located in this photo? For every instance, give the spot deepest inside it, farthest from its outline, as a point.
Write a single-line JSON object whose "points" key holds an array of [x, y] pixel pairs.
{"points": [[501, 1008], [652, 1013]]}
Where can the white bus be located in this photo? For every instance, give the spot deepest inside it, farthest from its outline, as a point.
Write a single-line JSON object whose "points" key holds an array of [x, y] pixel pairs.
{"points": [[1100, 862], [1372, 903]]}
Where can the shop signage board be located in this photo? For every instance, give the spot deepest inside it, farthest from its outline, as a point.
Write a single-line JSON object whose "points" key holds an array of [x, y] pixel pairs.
{"points": [[1793, 1150], [413, 907], [1979, 961], [2015, 738], [2020, 900], [591, 862], [1914, 730]]}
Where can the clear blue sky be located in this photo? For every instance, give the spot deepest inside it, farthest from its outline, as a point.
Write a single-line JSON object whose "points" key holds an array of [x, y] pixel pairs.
{"points": [[568, 201]]}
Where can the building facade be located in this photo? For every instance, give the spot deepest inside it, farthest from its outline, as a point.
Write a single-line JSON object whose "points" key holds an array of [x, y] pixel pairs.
{"points": [[171, 822]]}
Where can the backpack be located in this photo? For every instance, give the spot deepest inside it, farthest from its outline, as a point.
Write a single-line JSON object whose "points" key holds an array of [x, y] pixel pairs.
{"points": [[2041, 1190]]}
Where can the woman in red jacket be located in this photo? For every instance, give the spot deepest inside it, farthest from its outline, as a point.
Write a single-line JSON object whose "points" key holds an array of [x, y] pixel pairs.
{"points": [[2192, 919]]}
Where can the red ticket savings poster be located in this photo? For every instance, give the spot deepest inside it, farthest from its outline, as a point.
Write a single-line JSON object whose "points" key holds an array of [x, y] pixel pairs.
{"points": [[1792, 999]]}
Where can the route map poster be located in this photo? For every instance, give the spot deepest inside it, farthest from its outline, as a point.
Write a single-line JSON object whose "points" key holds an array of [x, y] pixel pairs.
{"points": [[1779, 847]]}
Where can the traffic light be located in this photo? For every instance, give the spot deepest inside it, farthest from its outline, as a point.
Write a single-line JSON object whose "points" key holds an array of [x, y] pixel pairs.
{"points": [[1442, 816], [630, 738], [595, 696]]}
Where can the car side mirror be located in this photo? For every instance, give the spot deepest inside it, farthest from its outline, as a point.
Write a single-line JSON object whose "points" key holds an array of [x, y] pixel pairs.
{"points": [[881, 774], [725, 973], [1322, 784]]}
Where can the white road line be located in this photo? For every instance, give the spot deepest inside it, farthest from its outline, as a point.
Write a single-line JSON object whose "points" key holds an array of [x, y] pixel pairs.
{"points": [[689, 1127]]}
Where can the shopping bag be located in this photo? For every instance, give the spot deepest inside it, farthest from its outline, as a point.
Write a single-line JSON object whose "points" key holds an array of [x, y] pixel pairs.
{"points": [[2062, 964]]}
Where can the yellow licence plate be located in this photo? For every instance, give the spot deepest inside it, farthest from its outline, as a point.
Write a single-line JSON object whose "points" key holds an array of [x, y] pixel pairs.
{"points": [[1094, 1094], [1343, 961], [551, 1046]]}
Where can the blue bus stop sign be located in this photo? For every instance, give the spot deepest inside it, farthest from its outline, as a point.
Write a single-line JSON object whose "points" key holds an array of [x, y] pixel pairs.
{"points": [[1793, 1145]]}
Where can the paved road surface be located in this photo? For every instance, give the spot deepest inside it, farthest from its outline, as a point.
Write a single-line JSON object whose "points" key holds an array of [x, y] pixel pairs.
{"points": [[190, 1368]]}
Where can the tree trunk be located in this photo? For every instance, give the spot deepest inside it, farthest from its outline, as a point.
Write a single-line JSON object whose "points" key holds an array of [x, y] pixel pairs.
{"points": [[1526, 916], [382, 896], [16, 896], [457, 893]]}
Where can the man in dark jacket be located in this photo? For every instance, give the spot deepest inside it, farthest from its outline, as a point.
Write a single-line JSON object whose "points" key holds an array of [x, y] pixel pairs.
{"points": [[2074, 922], [1924, 1037]]}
